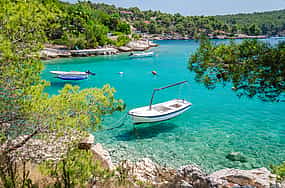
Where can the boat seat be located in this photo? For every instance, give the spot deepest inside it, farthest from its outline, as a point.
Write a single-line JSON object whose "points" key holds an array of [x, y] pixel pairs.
{"points": [[161, 108], [175, 105]]}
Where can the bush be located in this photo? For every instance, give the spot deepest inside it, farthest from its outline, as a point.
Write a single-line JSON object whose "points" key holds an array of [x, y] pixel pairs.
{"points": [[122, 40], [279, 170]]}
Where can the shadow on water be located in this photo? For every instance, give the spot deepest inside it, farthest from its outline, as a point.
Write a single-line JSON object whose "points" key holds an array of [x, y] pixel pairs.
{"points": [[145, 131]]}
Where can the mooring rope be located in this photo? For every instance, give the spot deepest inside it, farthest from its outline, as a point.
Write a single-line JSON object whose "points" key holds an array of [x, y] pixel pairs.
{"points": [[117, 122]]}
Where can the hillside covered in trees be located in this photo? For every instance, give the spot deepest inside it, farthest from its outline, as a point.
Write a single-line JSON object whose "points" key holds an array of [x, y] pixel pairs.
{"points": [[156, 22], [80, 25], [267, 23], [89, 25]]}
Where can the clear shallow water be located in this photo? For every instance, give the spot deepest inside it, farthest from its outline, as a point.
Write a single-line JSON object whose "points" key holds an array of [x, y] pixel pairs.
{"points": [[218, 123]]}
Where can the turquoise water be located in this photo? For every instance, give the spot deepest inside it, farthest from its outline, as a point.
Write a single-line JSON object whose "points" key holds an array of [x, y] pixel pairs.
{"points": [[218, 123]]}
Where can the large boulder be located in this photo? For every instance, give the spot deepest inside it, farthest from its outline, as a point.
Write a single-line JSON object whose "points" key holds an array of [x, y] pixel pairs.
{"points": [[144, 170], [102, 155], [193, 175], [124, 49], [139, 45], [259, 178], [53, 53]]}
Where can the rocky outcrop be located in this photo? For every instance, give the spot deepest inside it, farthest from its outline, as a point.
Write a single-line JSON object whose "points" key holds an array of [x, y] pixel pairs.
{"points": [[53, 51], [48, 53], [143, 170], [57, 51], [124, 49], [49, 148], [102, 155], [259, 178], [193, 175], [139, 45]]}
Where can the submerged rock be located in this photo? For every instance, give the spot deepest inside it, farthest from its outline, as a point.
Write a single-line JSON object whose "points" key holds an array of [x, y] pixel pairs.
{"points": [[236, 156]]}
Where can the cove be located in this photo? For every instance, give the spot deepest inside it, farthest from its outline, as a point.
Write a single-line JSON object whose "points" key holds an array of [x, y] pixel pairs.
{"points": [[218, 122]]}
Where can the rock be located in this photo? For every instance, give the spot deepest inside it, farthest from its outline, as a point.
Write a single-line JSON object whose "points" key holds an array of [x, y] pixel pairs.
{"points": [[193, 175], [53, 53], [259, 178], [124, 49], [140, 45], [185, 184], [52, 147], [236, 156], [147, 171], [282, 185], [144, 169], [87, 142], [102, 155], [152, 44]]}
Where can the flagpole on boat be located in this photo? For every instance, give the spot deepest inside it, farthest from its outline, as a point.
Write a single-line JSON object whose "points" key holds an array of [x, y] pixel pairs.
{"points": [[158, 89]]}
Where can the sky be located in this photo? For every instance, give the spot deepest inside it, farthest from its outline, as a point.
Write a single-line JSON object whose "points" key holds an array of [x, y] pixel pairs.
{"points": [[200, 7]]}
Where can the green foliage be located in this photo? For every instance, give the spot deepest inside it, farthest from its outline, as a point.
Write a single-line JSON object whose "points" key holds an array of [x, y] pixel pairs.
{"points": [[81, 25], [76, 169], [136, 36], [266, 23], [156, 22], [253, 67], [124, 28], [122, 40], [279, 170], [24, 107], [21, 37], [72, 108]]}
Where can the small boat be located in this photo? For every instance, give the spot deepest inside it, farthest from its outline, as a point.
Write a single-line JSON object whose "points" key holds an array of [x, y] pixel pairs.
{"points": [[143, 54], [154, 72], [161, 111], [72, 75]]}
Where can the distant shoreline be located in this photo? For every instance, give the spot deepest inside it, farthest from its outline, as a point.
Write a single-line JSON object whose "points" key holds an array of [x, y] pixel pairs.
{"points": [[60, 51]]}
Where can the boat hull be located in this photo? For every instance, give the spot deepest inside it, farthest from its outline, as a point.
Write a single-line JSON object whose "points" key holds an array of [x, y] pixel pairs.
{"points": [[142, 55], [71, 73], [72, 77], [137, 119]]}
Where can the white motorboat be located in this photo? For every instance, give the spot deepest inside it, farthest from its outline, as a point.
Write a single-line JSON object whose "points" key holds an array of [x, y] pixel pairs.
{"points": [[143, 54], [161, 111], [72, 75]]}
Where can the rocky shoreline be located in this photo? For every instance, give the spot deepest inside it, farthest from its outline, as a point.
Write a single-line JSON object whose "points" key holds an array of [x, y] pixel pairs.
{"points": [[147, 171], [190, 176], [61, 51]]}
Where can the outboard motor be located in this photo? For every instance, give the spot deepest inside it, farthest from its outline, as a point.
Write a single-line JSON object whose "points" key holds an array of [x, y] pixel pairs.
{"points": [[89, 72]]}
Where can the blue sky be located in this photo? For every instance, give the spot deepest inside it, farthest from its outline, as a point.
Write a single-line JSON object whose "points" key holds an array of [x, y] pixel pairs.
{"points": [[200, 7]]}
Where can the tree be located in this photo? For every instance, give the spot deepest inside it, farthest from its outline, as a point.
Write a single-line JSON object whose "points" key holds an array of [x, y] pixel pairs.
{"points": [[253, 67], [124, 28], [25, 110]]}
